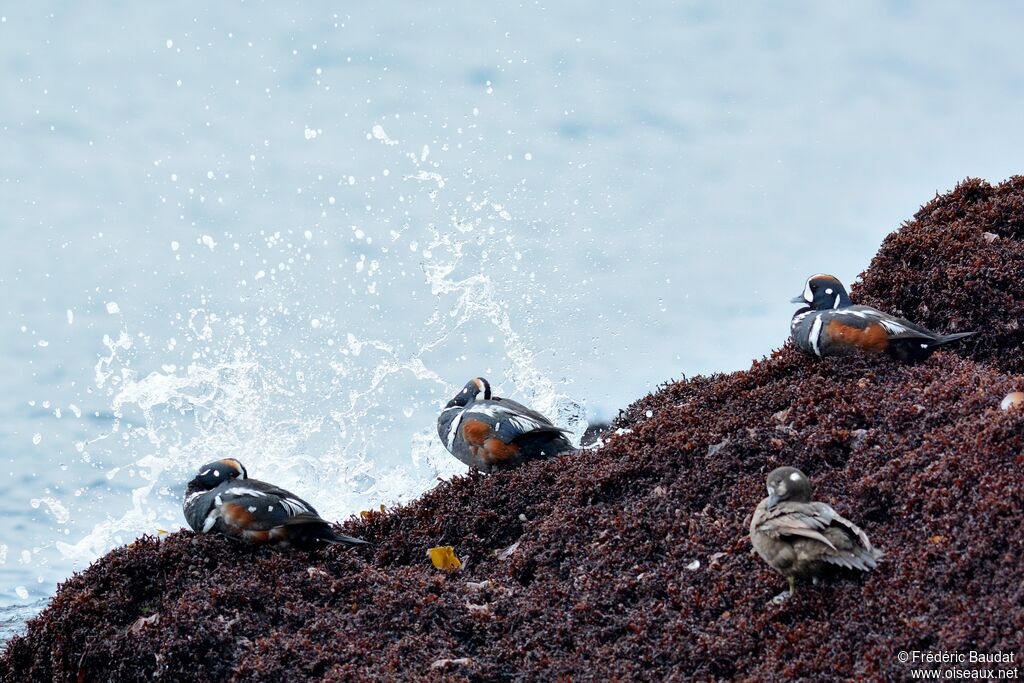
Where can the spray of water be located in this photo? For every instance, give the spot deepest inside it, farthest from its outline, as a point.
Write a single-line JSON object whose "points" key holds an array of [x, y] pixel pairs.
{"points": [[331, 394]]}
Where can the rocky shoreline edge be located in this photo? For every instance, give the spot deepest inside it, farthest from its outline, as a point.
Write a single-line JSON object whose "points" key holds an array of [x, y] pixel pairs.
{"points": [[632, 562]]}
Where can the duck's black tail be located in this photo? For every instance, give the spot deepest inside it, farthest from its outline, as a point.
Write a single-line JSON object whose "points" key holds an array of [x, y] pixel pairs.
{"points": [[341, 539], [316, 534], [950, 338], [916, 348]]}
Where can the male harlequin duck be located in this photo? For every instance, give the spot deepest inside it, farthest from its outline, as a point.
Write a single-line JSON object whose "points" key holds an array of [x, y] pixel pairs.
{"points": [[830, 325], [222, 499], [799, 538], [496, 433]]}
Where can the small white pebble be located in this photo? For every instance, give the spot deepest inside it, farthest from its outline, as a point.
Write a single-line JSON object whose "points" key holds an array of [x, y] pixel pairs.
{"points": [[1014, 398]]}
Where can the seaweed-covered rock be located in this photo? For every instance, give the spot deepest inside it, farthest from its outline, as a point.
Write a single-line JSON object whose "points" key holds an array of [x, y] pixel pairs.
{"points": [[959, 265], [630, 562]]}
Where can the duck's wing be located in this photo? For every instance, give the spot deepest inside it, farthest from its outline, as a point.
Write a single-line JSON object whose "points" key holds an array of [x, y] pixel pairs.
{"points": [[253, 505], [863, 317], [510, 419], [825, 512], [854, 549], [794, 519], [842, 542]]}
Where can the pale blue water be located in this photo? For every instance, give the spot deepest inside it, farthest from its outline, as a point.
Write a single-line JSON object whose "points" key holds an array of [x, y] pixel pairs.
{"points": [[300, 226]]}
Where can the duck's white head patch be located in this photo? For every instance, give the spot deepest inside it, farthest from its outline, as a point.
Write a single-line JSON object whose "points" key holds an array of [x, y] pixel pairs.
{"points": [[808, 294]]}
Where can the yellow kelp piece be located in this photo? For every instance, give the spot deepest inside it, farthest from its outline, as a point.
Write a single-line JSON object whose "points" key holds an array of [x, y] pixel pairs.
{"points": [[443, 557]]}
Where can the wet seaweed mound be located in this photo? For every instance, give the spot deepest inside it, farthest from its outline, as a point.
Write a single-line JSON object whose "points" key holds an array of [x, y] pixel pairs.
{"points": [[958, 266], [632, 562]]}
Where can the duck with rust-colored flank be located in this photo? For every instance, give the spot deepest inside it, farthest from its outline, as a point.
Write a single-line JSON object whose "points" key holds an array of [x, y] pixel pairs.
{"points": [[222, 499], [493, 433], [831, 325], [799, 538]]}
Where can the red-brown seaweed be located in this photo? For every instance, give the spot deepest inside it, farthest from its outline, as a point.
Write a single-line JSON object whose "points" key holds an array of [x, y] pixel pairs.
{"points": [[632, 562]]}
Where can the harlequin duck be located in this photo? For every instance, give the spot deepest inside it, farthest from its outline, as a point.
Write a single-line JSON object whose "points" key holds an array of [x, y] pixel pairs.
{"points": [[496, 433], [798, 538], [830, 325], [222, 499]]}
